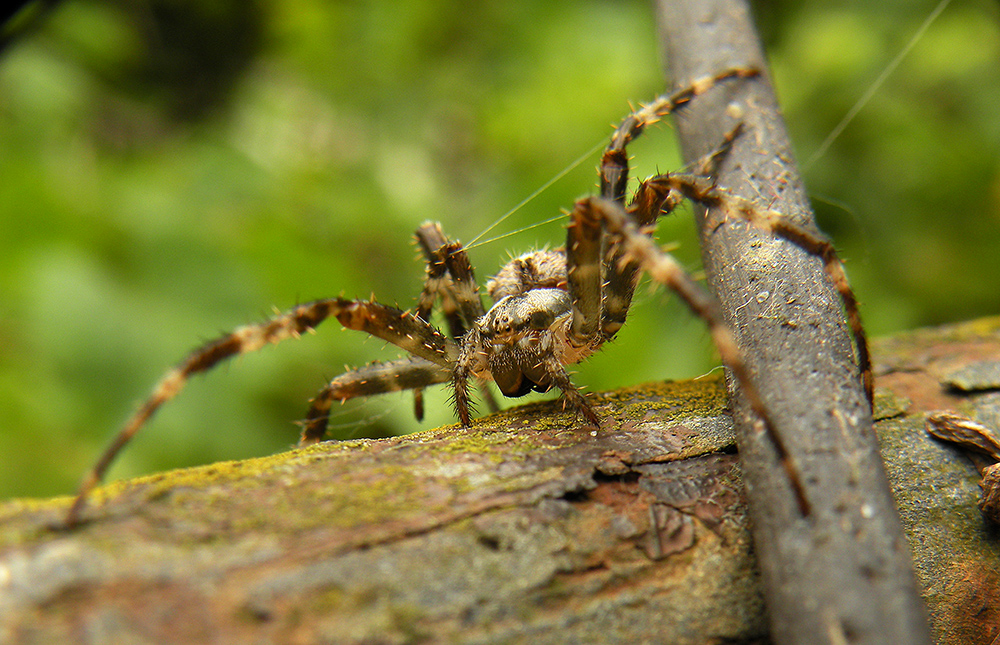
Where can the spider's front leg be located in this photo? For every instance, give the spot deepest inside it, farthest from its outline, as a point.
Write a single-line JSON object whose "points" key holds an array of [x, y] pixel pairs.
{"points": [[388, 323], [450, 279], [584, 333]]}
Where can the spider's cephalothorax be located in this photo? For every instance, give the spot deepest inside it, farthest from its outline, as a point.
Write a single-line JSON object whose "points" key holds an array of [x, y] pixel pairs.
{"points": [[511, 343], [552, 308], [523, 341]]}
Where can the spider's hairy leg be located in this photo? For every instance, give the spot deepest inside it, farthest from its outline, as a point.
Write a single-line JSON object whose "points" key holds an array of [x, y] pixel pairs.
{"points": [[466, 290], [470, 306], [571, 393], [430, 238], [377, 378], [620, 274], [461, 372], [663, 268], [583, 276], [451, 279], [388, 323], [401, 328], [245, 339], [437, 282], [703, 190], [584, 282], [614, 163]]}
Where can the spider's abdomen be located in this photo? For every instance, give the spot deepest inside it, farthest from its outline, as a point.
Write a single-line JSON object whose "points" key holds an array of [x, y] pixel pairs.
{"points": [[544, 269]]}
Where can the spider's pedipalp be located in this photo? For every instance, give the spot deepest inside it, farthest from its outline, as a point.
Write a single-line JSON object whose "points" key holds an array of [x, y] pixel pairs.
{"points": [[522, 344], [461, 373]]}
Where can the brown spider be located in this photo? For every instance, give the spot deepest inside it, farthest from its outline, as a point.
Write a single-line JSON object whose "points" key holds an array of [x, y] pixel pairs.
{"points": [[551, 308]]}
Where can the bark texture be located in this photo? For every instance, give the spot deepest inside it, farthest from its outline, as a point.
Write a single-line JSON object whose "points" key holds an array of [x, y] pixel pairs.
{"points": [[842, 574], [524, 528]]}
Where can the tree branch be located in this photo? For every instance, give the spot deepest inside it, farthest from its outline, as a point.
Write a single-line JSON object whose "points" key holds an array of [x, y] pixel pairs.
{"points": [[843, 574]]}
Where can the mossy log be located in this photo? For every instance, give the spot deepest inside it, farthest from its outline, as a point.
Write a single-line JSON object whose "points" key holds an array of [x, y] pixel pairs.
{"points": [[524, 528]]}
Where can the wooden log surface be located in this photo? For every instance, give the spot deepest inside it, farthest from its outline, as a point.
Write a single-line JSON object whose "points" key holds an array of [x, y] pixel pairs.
{"points": [[524, 528]]}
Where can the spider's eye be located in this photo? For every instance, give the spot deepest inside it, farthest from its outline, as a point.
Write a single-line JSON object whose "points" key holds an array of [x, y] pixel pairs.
{"points": [[541, 319]]}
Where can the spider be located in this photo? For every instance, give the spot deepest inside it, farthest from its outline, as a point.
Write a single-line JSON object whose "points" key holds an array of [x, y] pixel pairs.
{"points": [[552, 308]]}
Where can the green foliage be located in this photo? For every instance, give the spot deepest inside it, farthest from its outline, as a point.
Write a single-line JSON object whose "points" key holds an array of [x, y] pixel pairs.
{"points": [[171, 170]]}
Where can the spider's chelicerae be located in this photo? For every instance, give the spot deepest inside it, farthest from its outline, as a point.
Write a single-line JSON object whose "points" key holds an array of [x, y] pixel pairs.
{"points": [[552, 308]]}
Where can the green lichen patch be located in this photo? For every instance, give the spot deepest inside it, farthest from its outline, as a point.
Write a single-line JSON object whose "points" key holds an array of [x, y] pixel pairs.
{"points": [[677, 400], [979, 328], [888, 404]]}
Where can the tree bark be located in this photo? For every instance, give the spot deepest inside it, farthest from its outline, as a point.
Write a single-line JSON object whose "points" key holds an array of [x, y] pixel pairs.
{"points": [[523, 528], [843, 573]]}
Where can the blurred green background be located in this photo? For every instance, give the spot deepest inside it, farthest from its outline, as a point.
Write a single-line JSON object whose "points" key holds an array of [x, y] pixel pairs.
{"points": [[172, 169]]}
